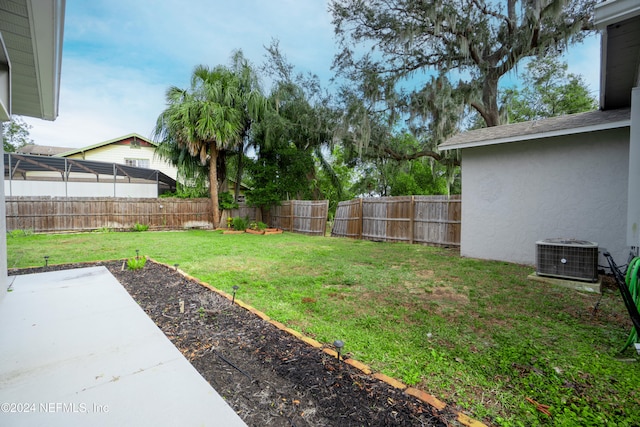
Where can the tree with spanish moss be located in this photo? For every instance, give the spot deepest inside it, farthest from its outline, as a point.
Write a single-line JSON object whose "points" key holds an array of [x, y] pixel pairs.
{"points": [[462, 47], [293, 140]]}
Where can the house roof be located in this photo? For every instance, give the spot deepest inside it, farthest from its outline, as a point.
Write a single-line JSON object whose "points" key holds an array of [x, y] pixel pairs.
{"points": [[33, 31], [546, 128], [41, 150], [73, 151]]}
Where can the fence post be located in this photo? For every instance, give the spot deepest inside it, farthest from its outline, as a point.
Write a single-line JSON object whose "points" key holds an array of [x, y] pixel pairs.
{"points": [[412, 211], [291, 214], [10, 176], [326, 214], [361, 225]]}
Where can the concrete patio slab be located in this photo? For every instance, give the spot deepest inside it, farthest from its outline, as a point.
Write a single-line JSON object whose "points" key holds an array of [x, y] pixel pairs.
{"points": [[76, 350]]}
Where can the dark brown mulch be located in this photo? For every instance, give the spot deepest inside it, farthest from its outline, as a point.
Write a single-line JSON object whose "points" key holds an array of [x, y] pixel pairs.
{"points": [[267, 376]]}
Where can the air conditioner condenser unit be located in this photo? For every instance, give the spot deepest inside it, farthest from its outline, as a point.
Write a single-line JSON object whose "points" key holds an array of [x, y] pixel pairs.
{"points": [[567, 259]]}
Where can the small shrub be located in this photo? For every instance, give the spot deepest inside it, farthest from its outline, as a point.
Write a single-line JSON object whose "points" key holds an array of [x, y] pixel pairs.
{"points": [[226, 201], [139, 227], [103, 230], [21, 233], [239, 223], [136, 263], [259, 226]]}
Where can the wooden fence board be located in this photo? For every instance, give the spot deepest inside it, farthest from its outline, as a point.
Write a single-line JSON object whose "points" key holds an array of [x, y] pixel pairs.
{"points": [[54, 214], [348, 219], [412, 219], [42, 214]]}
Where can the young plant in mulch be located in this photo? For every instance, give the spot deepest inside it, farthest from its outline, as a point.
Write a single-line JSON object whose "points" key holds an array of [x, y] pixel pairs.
{"points": [[257, 225], [136, 263]]}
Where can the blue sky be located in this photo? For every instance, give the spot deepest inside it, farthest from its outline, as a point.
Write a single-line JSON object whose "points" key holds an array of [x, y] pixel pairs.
{"points": [[120, 56]]}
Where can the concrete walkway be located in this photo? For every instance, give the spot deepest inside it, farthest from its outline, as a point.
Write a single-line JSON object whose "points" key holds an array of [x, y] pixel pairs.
{"points": [[76, 350]]}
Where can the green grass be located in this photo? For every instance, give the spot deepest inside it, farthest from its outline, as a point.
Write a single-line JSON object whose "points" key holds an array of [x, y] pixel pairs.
{"points": [[476, 334]]}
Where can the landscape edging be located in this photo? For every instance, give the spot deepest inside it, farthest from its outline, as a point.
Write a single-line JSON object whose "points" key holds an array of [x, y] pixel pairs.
{"points": [[411, 391]]}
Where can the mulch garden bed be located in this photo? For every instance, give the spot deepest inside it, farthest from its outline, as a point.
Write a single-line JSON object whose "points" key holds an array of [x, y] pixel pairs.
{"points": [[269, 377]]}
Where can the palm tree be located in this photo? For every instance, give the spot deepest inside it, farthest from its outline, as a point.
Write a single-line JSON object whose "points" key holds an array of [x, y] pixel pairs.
{"points": [[203, 119]]}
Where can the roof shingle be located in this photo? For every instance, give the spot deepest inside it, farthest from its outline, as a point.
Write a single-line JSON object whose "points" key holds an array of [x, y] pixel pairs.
{"points": [[545, 128]]}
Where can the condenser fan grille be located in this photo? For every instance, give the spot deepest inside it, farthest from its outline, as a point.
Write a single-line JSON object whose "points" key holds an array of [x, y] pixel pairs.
{"points": [[567, 259]]}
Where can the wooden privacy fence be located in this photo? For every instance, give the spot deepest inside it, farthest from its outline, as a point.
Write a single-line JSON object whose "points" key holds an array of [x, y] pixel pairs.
{"points": [[301, 216], [50, 214], [54, 214], [431, 220], [243, 211]]}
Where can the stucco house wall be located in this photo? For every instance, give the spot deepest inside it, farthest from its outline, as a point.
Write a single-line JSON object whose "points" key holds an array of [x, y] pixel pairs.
{"points": [[571, 186]]}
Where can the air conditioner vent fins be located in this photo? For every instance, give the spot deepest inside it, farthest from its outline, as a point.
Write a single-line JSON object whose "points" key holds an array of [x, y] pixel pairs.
{"points": [[567, 259]]}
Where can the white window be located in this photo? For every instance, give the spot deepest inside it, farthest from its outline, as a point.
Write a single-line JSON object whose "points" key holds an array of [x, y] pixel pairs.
{"points": [[139, 163]]}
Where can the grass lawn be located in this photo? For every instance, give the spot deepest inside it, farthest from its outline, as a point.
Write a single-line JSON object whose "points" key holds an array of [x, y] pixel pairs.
{"points": [[476, 334]]}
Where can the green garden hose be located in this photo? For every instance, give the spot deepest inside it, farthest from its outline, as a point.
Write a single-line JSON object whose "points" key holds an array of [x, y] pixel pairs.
{"points": [[634, 289]]}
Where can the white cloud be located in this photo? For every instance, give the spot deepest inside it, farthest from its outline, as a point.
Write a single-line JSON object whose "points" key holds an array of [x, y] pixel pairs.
{"points": [[120, 56], [98, 103]]}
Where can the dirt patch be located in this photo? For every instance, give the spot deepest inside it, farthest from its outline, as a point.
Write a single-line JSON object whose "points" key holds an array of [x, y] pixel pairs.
{"points": [[425, 274], [266, 375], [449, 295]]}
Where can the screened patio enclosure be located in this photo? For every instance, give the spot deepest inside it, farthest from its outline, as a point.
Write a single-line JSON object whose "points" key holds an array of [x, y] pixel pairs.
{"points": [[26, 175]]}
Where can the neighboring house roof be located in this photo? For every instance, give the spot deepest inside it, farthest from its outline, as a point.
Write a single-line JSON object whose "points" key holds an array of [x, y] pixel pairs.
{"points": [[33, 32], [73, 151], [546, 128], [41, 150]]}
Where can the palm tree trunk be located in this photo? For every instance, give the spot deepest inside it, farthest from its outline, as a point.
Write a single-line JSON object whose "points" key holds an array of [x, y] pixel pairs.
{"points": [[213, 184], [236, 190]]}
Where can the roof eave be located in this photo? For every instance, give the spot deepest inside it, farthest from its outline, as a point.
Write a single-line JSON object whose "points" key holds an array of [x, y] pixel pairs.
{"points": [[47, 33], [5, 82], [613, 11], [542, 135], [104, 143]]}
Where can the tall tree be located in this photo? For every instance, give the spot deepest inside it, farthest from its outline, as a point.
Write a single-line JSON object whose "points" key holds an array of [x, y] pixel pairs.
{"points": [[475, 42], [547, 90], [204, 120], [15, 134], [253, 105], [298, 128]]}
